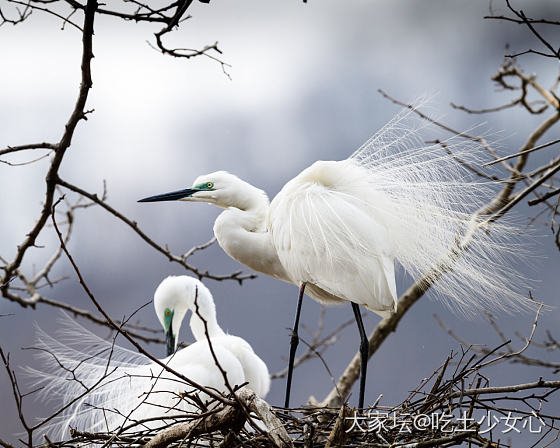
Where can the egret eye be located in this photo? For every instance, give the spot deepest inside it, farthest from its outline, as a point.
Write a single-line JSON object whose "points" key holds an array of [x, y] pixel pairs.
{"points": [[210, 185], [167, 311]]}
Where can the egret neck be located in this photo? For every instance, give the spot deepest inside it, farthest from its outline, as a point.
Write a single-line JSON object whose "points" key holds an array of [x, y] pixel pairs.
{"points": [[242, 232], [207, 310]]}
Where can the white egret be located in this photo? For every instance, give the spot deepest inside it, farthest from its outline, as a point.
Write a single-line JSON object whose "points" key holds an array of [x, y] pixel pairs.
{"points": [[338, 227], [126, 387]]}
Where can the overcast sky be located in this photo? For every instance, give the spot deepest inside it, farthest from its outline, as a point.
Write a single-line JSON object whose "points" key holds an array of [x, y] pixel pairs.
{"points": [[303, 87]]}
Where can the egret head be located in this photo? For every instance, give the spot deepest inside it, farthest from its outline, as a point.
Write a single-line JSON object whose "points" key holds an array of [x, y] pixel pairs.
{"points": [[219, 188], [173, 298]]}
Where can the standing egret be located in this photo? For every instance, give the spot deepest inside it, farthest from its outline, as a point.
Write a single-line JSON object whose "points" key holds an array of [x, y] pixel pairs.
{"points": [[127, 389], [337, 228]]}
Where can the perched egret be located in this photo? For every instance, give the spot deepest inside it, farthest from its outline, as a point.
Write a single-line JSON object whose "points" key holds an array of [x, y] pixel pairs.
{"points": [[125, 387], [337, 228]]}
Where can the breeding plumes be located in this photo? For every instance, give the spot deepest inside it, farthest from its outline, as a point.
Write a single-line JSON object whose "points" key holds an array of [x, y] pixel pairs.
{"points": [[337, 229], [108, 388]]}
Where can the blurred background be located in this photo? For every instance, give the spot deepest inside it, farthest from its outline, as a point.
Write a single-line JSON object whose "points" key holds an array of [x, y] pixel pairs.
{"points": [[303, 87]]}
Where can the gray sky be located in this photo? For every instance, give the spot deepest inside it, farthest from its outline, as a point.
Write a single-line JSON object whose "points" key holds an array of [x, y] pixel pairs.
{"points": [[304, 87]]}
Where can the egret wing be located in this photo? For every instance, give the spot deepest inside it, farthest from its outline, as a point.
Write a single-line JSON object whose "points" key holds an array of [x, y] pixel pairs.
{"points": [[101, 386], [254, 368], [325, 232]]}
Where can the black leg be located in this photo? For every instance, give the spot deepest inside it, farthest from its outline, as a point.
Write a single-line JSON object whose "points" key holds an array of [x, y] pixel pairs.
{"points": [[364, 352], [294, 341]]}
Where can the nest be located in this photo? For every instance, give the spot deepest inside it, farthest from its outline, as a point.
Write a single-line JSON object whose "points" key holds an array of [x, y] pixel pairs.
{"points": [[456, 405]]}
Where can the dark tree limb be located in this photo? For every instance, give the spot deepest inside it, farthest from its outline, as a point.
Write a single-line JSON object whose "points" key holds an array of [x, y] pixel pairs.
{"points": [[59, 148]]}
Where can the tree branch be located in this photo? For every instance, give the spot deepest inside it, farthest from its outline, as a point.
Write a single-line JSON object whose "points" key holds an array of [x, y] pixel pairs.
{"points": [[120, 330], [225, 419], [181, 260], [492, 211], [60, 148]]}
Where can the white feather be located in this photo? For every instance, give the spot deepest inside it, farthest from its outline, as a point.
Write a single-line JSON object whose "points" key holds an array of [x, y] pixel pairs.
{"points": [[341, 226], [104, 387], [429, 201]]}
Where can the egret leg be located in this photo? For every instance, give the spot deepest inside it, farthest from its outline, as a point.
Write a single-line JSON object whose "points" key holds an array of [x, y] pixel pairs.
{"points": [[364, 352], [294, 341]]}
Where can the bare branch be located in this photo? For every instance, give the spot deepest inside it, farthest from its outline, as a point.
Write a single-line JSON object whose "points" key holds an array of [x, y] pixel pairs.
{"points": [[545, 197], [525, 21], [317, 346], [230, 416], [181, 260], [517, 154], [492, 211], [540, 384], [521, 15], [120, 330], [29, 4], [52, 175]]}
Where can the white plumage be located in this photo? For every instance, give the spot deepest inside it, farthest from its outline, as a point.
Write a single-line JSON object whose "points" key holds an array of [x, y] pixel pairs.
{"points": [[338, 228], [332, 237], [107, 387]]}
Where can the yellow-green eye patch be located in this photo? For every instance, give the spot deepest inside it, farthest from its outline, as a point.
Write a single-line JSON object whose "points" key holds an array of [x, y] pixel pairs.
{"points": [[206, 186], [167, 318]]}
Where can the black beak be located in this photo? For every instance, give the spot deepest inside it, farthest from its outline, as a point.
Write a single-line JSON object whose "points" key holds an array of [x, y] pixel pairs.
{"points": [[172, 196], [170, 341]]}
